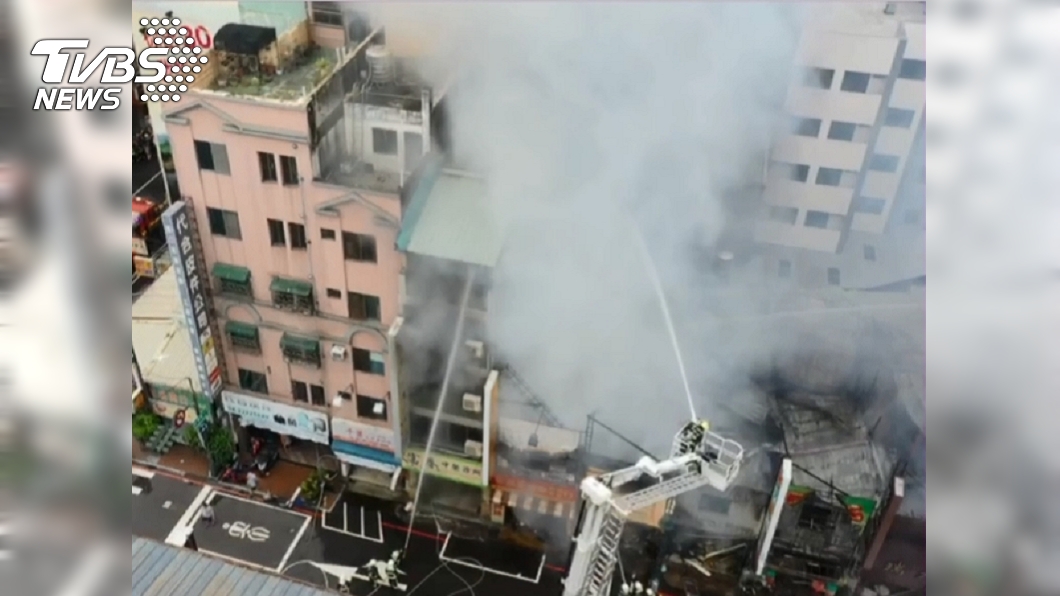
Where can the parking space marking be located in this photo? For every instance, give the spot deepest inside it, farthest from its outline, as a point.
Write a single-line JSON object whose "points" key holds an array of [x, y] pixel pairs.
{"points": [[290, 549], [534, 580], [179, 535], [361, 515]]}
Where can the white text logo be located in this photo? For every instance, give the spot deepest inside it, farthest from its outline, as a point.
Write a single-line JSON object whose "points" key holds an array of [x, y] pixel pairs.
{"points": [[118, 68], [245, 531]]}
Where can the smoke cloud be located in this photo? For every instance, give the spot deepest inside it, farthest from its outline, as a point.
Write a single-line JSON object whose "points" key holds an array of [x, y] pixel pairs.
{"points": [[592, 122]]}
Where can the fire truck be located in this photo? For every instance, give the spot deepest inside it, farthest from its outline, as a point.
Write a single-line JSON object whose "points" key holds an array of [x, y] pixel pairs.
{"points": [[148, 238]]}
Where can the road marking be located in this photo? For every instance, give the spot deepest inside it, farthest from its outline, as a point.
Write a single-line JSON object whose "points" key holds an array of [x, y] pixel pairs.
{"points": [[290, 549], [259, 504], [137, 490], [179, 535], [146, 184], [142, 473], [345, 529], [535, 580]]}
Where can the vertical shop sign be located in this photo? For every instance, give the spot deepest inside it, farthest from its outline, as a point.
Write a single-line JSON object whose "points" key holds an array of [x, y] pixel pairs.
{"points": [[190, 277], [776, 506]]}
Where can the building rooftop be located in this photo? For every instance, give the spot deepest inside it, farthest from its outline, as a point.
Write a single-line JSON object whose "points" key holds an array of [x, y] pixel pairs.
{"points": [[449, 217], [296, 83], [159, 338], [159, 569]]}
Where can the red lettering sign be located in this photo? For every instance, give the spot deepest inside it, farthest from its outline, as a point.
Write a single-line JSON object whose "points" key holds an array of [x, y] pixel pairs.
{"points": [[202, 36]]}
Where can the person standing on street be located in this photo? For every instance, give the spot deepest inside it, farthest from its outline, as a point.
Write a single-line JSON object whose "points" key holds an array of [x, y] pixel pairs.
{"points": [[252, 481], [206, 514]]}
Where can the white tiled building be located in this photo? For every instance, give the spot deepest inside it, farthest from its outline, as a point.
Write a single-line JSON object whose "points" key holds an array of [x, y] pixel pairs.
{"points": [[856, 109]]}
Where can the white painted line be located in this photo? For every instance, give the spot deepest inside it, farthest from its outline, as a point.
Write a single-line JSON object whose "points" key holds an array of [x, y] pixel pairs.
{"points": [[362, 535], [345, 524], [179, 534], [137, 490], [146, 184], [442, 557], [363, 527], [290, 549], [260, 504], [142, 473]]}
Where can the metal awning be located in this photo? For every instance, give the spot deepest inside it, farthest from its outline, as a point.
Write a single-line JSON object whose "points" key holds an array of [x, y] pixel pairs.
{"points": [[233, 273], [291, 286], [299, 343], [242, 330], [451, 219]]}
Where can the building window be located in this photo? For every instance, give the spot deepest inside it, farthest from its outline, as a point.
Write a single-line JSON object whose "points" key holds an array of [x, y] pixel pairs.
{"points": [[714, 504], [842, 131], [326, 234], [333, 293], [363, 307], [243, 337], [292, 295], [833, 276], [327, 13], [299, 391], [298, 240], [358, 247], [369, 362], [371, 408], [384, 141], [300, 350], [277, 236], [915, 70], [253, 381], [267, 165], [818, 78], [816, 219], [870, 252], [899, 118], [224, 223], [816, 516], [884, 163], [829, 177], [869, 205], [289, 170], [855, 82], [212, 157], [799, 172], [786, 215], [784, 269], [316, 395], [232, 280], [806, 127]]}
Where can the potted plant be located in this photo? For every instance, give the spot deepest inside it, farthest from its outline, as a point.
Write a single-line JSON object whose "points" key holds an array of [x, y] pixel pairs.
{"points": [[144, 426], [312, 489]]}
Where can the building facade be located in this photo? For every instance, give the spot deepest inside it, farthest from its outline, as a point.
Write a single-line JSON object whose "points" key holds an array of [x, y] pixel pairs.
{"points": [[855, 110], [298, 226]]}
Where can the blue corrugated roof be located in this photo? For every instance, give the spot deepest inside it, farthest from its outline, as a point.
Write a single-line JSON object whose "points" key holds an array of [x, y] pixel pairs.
{"points": [[162, 570]]}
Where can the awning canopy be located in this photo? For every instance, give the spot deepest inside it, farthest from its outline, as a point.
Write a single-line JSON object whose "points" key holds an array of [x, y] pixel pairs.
{"points": [[241, 330], [291, 286], [233, 273], [299, 343]]}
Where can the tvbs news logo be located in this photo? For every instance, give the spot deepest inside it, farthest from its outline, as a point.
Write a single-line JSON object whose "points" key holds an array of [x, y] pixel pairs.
{"points": [[171, 76]]}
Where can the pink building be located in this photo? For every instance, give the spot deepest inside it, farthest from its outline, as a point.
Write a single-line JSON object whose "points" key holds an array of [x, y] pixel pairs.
{"points": [[293, 156]]}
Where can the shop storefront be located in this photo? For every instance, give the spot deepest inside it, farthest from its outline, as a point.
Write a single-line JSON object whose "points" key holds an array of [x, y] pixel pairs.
{"points": [[456, 482], [366, 452], [301, 435], [179, 406]]}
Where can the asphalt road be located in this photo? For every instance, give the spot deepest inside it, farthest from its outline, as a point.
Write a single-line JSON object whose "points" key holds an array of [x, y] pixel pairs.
{"points": [[279, 540], [147, 181], [158, 502]]}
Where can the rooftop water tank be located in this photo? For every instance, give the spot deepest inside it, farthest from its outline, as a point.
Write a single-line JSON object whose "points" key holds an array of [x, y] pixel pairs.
{"points": [[381, 64]]}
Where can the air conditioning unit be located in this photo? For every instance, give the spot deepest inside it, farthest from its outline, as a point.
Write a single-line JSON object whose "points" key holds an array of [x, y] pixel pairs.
{"points": [[472, 403], [477, 348], [338, 353], [473, 448]]}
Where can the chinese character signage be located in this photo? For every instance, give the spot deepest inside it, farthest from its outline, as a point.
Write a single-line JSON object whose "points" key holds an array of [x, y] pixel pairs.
{"points": [[280, 418], [191, 275], [363, 434], [444, 466]]}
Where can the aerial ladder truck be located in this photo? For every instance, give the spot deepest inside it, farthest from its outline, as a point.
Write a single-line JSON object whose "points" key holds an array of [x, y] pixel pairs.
{"points": [[698, 458]]}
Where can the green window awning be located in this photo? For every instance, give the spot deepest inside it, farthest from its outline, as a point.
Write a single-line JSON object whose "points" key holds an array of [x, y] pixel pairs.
{"points": [[233, 273], [299, 343], [241, 330], [291, 286]]}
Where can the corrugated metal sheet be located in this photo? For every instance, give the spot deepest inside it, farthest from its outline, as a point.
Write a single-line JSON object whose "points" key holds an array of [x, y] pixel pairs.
{"points": [[457, 223], [159, 337], [162, 570]]}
